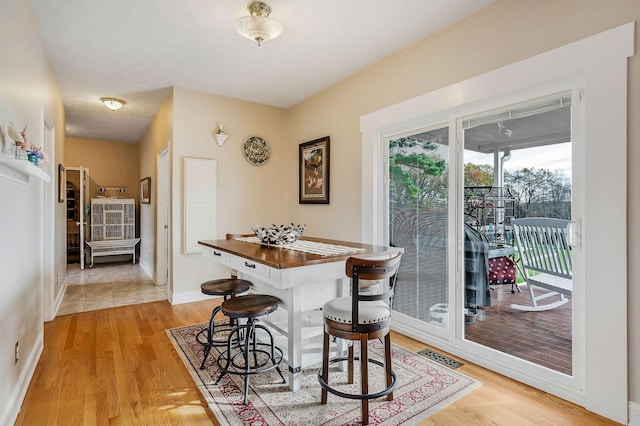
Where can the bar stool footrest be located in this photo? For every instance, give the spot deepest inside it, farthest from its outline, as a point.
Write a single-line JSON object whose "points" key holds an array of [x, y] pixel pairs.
{"points": [[384, 392]]}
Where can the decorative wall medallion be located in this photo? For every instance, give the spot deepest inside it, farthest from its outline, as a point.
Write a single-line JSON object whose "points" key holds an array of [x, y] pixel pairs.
{"points": [[256, 150]]}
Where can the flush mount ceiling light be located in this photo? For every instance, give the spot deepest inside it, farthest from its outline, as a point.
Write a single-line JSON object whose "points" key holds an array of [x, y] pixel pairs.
{"points": [[112, 103], [258, 27]]}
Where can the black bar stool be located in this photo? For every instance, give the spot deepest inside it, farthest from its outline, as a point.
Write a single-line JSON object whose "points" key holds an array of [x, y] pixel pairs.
{"points": [[361, 317], [227, 288], [245, 354]]}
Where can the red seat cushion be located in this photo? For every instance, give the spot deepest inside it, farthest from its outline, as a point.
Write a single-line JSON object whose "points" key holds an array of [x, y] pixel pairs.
{"points": [[502, 270]]}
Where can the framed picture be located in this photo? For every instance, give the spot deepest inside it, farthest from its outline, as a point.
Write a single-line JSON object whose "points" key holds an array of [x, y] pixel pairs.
{"points": [[62, 183], [145, 191], [313, 165]]}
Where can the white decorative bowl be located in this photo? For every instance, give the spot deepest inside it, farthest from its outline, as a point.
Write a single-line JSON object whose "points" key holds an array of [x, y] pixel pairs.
{"points": [[279, 235]]}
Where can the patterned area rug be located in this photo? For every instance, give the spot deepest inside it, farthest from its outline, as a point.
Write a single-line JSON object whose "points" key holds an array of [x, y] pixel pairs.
{"points": [[423, 388]]}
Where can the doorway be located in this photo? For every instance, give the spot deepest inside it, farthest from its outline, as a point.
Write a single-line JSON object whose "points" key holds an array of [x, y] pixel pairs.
{"points": [[77, 213], [517, 164]]}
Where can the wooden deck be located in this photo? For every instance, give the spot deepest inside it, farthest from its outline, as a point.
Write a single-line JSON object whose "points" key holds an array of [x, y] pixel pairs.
{"points": [[540, 337]]}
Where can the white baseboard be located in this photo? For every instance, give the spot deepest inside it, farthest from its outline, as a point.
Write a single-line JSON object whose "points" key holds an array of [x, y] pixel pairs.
{"points": [[148, 270], [634, 413], [12, 409], [59, 298], [187, 297]]}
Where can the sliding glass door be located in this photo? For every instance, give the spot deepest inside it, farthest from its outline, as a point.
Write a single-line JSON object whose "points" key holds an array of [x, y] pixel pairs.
{"points": [[518, 164], [418, 222]]}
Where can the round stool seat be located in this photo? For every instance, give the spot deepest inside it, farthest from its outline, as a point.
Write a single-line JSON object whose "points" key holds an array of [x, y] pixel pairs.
{"points": [[251, 306], [225, 287], [246, 354], [340, 310], [228, 288]]}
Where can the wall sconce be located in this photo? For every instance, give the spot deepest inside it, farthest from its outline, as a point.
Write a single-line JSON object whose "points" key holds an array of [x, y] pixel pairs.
{"points": [[221, 136]]}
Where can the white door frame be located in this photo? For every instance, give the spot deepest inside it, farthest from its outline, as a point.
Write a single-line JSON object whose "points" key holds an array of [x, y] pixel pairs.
{"points": [[600, 63], [162, 221], [50, 280]]}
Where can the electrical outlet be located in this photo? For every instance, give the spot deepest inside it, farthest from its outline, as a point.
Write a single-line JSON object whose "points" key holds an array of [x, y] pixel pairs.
{"points": [[17, 353], [57, 279]]}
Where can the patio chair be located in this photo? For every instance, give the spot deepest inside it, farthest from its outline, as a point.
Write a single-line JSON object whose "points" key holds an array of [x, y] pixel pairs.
{"points": [[546, 260]]}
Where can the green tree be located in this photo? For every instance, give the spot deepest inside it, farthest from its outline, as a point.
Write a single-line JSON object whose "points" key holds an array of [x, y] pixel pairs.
{"points": [[415, 173]]}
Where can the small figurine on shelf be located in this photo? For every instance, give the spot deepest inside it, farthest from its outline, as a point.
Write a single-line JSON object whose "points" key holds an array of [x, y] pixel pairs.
{"points": [[18, 140], [34, 153]]}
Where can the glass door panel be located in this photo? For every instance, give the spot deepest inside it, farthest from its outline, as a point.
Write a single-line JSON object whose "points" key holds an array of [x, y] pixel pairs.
{"points": [[418, 208], [517, 164]]}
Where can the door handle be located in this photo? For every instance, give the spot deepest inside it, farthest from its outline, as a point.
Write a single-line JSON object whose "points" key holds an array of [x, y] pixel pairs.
{"points": [[574, 233], [250, 265]]}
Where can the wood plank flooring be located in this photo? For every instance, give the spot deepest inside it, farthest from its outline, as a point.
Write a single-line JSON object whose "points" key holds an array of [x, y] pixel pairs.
{"points": [[117, 367]]}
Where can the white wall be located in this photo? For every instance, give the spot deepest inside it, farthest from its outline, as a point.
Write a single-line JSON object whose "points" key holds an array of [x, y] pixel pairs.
{"points": [[28, 95]]}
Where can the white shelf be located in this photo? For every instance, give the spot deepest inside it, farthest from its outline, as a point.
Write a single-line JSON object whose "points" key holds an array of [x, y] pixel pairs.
{"points": [[21, 170]]}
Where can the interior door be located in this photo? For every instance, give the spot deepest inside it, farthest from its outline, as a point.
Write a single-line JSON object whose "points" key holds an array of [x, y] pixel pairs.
{"points": [[83, 210]]}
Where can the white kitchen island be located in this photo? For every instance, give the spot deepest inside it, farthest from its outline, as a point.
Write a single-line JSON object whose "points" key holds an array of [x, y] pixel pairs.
{"points": [[303, 280]]}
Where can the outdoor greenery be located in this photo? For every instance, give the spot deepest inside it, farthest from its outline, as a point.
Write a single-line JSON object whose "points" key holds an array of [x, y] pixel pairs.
{"points": [[418, 179]]}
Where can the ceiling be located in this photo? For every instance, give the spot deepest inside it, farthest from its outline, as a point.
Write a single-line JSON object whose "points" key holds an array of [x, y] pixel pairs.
{"points": [[137, 50]]}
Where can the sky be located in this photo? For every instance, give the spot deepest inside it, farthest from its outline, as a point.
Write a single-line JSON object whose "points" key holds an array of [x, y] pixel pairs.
{"points": [[552, 157]]}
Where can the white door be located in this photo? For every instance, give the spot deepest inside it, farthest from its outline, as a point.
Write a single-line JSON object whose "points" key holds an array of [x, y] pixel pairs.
{"points": [[162, 231]]}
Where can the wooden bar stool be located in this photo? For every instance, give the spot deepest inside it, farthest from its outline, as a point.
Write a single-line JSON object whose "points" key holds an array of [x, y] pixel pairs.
{"points": [[361, 317], [228, 288], [246, 354]]}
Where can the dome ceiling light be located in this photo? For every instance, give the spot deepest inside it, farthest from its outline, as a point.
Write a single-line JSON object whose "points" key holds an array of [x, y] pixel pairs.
{"points": [[112, 103], [258, 27]]}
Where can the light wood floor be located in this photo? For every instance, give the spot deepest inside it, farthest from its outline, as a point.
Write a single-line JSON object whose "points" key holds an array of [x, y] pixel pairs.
{"points": [[116, 366]]}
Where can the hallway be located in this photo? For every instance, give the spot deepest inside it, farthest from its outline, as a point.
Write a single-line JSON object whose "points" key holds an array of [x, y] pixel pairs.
{"points": [[108, 285]]}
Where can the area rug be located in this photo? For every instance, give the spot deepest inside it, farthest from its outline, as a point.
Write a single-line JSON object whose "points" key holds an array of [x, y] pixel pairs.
{"points": [[424, 387]]}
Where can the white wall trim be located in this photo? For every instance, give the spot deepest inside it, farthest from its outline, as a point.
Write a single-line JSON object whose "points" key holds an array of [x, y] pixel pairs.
{"points": [[12, 408], [148, 269], [59, 298], [634, 413], [188, 297]]}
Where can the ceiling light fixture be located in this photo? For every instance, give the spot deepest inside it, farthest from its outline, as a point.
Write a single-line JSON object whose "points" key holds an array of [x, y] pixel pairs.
{"points": [[112, 103], [258, 27]]}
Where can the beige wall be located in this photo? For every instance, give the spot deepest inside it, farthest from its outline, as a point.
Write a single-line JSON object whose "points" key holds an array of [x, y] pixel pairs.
{"points": [[158, 137], [503, 33], [247, 194], [30, 219], [109, 163]]}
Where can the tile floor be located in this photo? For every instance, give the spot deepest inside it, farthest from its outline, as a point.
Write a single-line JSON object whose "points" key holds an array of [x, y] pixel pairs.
{"points": [[108, 285]]}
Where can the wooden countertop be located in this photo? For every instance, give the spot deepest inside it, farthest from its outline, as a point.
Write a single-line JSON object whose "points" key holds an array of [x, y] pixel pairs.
{"points": [[282, 258]]}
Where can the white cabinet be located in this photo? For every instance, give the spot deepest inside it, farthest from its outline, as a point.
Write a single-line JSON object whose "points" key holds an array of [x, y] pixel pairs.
{"points": [[113, 227]]}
